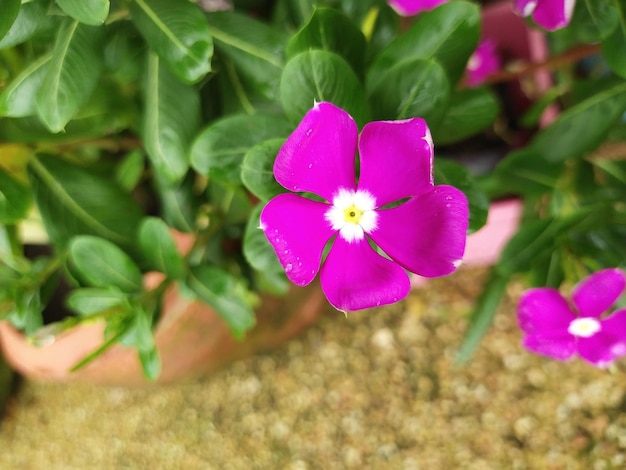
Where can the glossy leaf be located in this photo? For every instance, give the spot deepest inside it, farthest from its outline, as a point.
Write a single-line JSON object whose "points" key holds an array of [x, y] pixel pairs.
{"points": [[527, 172], [414, 87], [88, 301], [91, 12], [469, 111], [10, 9], [581, 128], [15, 199], [331, 31], [159, 249], [100, 263], [171, 116], [614, 45], [321, 76], [255, 48], [179, 202], [226, 295], [219, 149], [257, 249], [131, 168], [593, 20], [178, 33], [257, 170], [19, 98], [146, 345], [73, 200], [72, 74], [25, 25]]}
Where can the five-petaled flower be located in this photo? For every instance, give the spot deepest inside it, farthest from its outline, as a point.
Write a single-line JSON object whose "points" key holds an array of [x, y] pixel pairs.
{"points": [[482, 63], [395, 205], [549, 14], [413, 7], [557, 329]]}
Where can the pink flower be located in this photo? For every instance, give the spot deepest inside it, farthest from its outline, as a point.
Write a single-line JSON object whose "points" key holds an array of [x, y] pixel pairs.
{"points": [[482, 63], [557, 329], [413, 7], [549, 14], [395, 205]]}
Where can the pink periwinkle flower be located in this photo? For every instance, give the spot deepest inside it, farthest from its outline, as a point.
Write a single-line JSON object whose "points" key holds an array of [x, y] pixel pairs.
{"points": [[482, 63], [413, 7], [549, 14], [394, 205], [559, 330]]}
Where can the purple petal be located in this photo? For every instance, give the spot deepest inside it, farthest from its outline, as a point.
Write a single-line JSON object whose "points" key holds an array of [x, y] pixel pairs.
{"points": [[396, 159], [426, 234], [597, 349], [543, 310], [355, 277], [297, 231], [413, 7], [319, 155], [595, 294], [553, 14], [615, 327], [483, 62], [558, 345], [525, 7]]}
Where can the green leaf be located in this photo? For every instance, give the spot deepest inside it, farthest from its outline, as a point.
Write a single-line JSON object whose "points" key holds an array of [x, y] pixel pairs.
{"points": [[455, 174], [321, 76], [469, 111], [28, 20], [257, 249], [171, 116], [593, 20], [255, 48], [101, 263], [27, 315], [178, 33], [91, 12], [10, 9], [73, 201], [86, 301], [331, 31], [614, 45], [257, 170], [219, 149], [15, 199], [145, 344], [448, 34], [414, 87], [527, 172], [179, 202], [72, 74], [159, 249], [226, 295], [581, 128], [19, 98], [129, 171]]}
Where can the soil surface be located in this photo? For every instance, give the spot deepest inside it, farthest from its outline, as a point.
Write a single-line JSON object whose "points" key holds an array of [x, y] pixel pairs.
{"points": [[377, 390]]}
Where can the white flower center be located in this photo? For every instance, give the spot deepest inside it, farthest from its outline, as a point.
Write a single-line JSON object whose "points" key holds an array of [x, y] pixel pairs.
{"points": [[352, 214], [584, 327]]}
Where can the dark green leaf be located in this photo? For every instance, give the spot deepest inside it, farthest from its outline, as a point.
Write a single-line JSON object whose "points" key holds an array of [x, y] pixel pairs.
{"points": [[88, 301], [91, 12], [100, 263], [158, 247], [25, 25], [455, 174], [527, 172], [129, 171], [15, 199], [331, 31], [321, 76], [226, 295], [257, 249], [593, 20], [470, 111], [257, 170], [19, 98], [219, 149], [171, 116], [614, 45], [10, 9], [72, 74], [179, 202], [73, 201], [178, 33], [415, 87], [255, 48]]}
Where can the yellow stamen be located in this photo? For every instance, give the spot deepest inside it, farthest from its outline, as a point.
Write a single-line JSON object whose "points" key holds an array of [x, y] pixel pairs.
{"points": [[353, 214]]}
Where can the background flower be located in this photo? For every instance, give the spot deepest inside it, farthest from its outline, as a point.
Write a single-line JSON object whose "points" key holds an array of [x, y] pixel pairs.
{"points": [[483, 62], [413, 7], [549, 14]]}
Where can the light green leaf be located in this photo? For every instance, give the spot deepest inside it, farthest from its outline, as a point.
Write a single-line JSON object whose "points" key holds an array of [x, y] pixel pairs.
{"points": [[29, 18], [19, 98], [91, 12], [131, 168], [171, 116], [88, 301], [15, 199], [72, 74], [178, 32], [257, 249], [10, 9], [257, 170], [159, 249], [100, 263]]}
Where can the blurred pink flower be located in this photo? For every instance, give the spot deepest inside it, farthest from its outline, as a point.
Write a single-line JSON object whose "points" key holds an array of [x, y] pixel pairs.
{"points": [[413, 7], [549, 14], [483, 62]]}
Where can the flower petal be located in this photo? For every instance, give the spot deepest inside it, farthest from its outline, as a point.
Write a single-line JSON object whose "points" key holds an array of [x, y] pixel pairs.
{"points": [[595, 294], [525, 7], [555, 344], [396, 159], [319, 155], [543, 310], [483, 62], [597, 349], [297, 231], [553, 14], [355, 277], [413, 7], [426, 234]]}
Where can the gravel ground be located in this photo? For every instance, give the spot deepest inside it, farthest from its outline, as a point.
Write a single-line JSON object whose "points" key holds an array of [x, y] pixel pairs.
{"points": [[379, 389]]}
